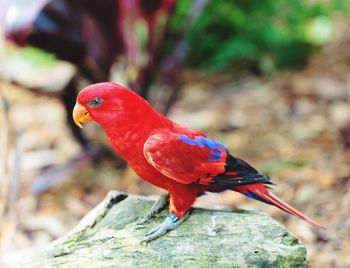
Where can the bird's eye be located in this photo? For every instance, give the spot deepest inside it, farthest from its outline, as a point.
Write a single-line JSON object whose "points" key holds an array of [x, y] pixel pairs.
{"points": [[94, 103]]}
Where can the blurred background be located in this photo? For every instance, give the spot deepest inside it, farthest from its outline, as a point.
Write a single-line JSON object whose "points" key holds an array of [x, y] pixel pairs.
{"points": [[269, 78]]}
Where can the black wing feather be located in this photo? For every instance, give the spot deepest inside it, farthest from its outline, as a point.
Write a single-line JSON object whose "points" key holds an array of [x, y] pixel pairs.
{"points": [[244, 174]]}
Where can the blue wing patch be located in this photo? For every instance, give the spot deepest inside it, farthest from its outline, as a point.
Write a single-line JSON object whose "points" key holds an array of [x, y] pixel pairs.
{"points": [[201, 141], [215, 155]]}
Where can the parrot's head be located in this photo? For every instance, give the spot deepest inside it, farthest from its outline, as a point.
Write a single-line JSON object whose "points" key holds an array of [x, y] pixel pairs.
{"points": [[109, 102]]}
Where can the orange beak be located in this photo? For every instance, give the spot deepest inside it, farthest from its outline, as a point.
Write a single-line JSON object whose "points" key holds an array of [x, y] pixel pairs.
{"points": [[80, 114]]}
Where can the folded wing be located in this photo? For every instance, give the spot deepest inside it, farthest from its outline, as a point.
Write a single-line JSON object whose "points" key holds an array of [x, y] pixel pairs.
{"points": [[198, 159]]}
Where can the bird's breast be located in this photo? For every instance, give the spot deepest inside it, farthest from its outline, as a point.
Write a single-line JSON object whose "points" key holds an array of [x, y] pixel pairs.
{"points": [[131, 150]]}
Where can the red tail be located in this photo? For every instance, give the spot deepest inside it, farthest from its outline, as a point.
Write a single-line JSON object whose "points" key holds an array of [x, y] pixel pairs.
{"points": [[263, 193]]}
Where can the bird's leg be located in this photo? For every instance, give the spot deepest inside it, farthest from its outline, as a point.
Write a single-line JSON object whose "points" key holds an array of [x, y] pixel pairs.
{"points": [[162, 201], [170, 223], [182, 196]]}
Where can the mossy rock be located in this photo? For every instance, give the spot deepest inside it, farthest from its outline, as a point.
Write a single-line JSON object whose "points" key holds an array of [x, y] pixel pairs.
{"points": [[110, 236]]}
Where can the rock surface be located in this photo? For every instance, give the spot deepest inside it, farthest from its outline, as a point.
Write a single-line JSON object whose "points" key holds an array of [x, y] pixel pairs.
{"points": [[109, 236]]}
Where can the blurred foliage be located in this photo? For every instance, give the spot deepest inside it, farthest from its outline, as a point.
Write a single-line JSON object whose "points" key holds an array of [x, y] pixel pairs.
{"points": [[275, 166], [262, 35], [35, 56]]}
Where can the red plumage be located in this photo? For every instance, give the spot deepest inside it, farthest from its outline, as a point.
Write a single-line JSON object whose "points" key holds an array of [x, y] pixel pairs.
{"points": [[181, 160]]}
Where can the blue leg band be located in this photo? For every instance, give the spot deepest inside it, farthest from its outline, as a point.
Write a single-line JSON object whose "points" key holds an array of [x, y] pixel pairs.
{"points": [[173, 217]]}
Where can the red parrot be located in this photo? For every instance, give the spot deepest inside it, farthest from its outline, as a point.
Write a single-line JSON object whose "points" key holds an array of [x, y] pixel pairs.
{"points": [[180, 160]]}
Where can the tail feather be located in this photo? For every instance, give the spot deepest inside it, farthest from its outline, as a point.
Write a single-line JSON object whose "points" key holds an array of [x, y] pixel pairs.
{"points": [[263, 193]]}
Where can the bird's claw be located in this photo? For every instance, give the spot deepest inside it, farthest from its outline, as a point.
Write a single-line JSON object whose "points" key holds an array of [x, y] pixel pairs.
{"points": [[162, 201], [171, 222]]}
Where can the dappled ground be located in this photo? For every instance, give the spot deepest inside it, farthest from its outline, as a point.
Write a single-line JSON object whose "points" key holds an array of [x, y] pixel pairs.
{"points": [[295, 127]]}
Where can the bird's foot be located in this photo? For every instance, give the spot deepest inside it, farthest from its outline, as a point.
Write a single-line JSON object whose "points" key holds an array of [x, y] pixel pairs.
{"points": [[171, 222], [162, 201]]}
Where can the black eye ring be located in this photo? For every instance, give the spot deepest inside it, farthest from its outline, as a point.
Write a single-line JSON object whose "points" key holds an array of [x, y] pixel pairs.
{"points": [[96, 102]]}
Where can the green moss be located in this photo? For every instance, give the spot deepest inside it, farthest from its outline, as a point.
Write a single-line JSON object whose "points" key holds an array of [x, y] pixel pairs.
{"points": [[207, 239]]}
